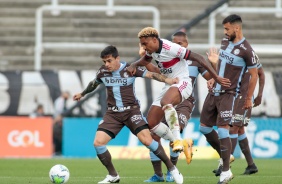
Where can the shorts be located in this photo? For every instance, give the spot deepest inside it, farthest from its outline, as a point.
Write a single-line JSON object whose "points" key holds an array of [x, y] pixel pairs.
{"points": [[184, 111], [113, 122], [184, 86], [241, 116], [218, 110]]}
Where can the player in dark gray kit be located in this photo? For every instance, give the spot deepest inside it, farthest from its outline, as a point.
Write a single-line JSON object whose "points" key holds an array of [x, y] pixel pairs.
{"points": [[123, 110], [235, 56]]}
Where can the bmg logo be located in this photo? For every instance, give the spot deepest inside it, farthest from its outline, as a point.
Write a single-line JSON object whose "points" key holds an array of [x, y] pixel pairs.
{"points": [[111, 80], [24, 138]]}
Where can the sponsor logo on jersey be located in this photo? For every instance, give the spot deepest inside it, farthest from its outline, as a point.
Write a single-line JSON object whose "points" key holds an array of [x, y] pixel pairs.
{"points": [[229, 58], [166, 70], [111, 80], [243, 46]]}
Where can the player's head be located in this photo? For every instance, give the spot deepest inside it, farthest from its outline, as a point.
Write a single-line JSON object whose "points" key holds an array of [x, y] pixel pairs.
{"points": [[232, 26], [149, 39], [180, 38], [110, 57]]}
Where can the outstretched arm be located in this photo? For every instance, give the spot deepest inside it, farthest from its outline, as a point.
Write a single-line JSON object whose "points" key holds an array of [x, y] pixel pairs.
{"points": [[91, 87], [161, 78], [261, 76], [201, 60]]}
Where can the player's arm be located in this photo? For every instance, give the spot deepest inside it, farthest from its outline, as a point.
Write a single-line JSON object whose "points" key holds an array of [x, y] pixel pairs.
{"points": [[91, 87], [261, 77], [161, 78], [251, 88], [143, 61], [152, 68], [201, 60]]}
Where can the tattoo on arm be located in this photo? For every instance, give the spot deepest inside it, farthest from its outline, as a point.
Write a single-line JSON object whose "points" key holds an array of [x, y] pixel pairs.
{"points": [[91, 87], [159, 77]]}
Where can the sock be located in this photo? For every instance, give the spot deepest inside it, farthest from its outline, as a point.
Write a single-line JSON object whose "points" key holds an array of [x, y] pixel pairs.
{"points": [[244, 145], [158, 150], [172, 120], [156, 163], [163, 131], [106, 160], [173, 156], [212, 138], [233, 138], [225, 147]]}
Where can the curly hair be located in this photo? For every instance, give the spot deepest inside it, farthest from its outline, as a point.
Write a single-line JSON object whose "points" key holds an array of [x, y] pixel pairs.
{"points": [[148, 32]]}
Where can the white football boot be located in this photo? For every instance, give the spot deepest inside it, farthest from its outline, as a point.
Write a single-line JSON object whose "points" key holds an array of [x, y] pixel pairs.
{"points": [[111, 179], [177, 176]]}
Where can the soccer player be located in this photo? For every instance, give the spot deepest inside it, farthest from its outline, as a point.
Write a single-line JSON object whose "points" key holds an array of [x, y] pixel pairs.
{"points": [[171, 60], [123, 110], [184, 111], [235, 56]]}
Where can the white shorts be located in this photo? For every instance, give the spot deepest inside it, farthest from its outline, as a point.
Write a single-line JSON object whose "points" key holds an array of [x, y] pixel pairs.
{"points": [[184, 86]]}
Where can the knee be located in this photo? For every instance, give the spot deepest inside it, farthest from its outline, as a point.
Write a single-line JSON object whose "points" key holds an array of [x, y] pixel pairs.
{"points": [[98, 142]]}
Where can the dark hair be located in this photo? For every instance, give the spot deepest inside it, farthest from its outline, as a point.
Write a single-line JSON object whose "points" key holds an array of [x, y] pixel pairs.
{"points": [[109, 51], [232, 19], [179, 33]]}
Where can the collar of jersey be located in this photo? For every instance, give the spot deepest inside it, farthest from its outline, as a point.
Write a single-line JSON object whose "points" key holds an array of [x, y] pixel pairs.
{"points": [[238, 43], [122, 65], [160, 46]]}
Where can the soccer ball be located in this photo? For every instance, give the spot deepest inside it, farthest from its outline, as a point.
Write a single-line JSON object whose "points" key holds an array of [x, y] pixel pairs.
{"points": [[59, 174]]}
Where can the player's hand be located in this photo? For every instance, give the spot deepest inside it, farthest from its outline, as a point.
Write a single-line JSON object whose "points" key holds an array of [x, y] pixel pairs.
{"points": [[257, 101], [171, 81], [213, 55], [248, 103], [223, 81], [131, 69], [210, 84], [77, 97], [141, 50]]}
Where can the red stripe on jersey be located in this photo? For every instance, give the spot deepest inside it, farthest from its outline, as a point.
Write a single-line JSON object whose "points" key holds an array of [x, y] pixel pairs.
{"points": [[166, 46], [170, 63], [187, 54]]}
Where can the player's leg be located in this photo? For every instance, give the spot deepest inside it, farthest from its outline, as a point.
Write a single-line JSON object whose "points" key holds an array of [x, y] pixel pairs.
{"points": [[157, 165], [101, 139], [145, 137], [225, 104], [245, 148], [233, 131]]}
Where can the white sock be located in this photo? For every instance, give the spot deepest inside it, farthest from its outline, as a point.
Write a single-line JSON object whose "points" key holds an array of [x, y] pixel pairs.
{"points": [[172, 120], [163, 131]]}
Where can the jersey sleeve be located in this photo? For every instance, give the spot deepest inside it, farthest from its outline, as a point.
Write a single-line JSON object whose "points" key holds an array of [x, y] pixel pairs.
{"points": [[178, 52], [251, 58], [140, 72]]}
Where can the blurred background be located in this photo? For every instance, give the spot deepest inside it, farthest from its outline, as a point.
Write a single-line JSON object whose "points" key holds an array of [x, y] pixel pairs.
{"points": [[49, 50]]}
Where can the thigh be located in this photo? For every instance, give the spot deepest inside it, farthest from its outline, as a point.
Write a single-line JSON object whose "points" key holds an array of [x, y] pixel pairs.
{"points": [[209, 111], [225, 104], [111, 123], [172, 96], [185, 88], [101, 138], [155, 115]]}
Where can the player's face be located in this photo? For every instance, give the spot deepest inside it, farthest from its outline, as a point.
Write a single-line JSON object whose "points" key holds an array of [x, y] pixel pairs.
{"points": [[150, 44], [180, 40], [229, 31], [111, 63]]}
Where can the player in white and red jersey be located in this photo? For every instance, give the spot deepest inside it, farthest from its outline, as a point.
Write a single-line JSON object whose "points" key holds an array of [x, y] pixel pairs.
{"points": [[171, 60]]}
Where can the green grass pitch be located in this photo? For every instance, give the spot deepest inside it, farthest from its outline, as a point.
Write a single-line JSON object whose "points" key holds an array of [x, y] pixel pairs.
{"points": [[86, 171]]}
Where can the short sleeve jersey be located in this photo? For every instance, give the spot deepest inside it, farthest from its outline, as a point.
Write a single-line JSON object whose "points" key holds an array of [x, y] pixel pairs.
{"points": [[171, 59], [120, 85], [234, 59], [245, 81]]}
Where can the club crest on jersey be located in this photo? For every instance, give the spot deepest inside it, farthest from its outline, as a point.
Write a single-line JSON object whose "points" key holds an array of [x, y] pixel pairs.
{"points": [[236, 51], [125, 74]]}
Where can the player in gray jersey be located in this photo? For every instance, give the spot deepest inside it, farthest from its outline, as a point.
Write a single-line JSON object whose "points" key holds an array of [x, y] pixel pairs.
{"points": [[235, 56], [123, 110], [184, 111]]}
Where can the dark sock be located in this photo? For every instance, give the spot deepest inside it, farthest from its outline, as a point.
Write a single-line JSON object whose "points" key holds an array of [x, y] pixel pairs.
{"points": [[233, 144], [157, 165], [174, 160], [244, 145], [162, 155], [213, 140], [106, 160], [225, 147]]}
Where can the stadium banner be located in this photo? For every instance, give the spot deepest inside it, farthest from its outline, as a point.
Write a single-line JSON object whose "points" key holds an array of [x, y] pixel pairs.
{"points": [[264, 136], [26, 137], [22, 91]]}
